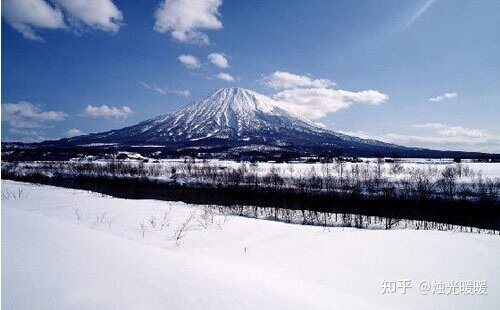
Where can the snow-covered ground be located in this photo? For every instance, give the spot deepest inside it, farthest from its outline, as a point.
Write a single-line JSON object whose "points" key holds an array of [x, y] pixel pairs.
{"points": [[70, 249]]}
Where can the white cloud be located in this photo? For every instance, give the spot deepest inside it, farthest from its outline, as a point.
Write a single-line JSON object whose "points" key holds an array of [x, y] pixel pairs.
{"points": [[106, 111], [219, 60], [24, 135], [440, 136], [419, 13], [285, 80], [225, 77], [99, 14], [185, 18], [314, 103], [445, 96], [27, 15], [27, 115], [73, 133], [314, 98], [24, 15], [164, 90], [189, 61], [454, 131]]}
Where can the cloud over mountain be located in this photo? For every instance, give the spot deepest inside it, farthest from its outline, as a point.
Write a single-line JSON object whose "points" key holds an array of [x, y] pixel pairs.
{"points": [[70, 133], [97, 14], [285, 80], [185, 19], [26, 115], [315, 98], [315, 103], [219, 60], [27, 16], [225, 77], [443, 97], [107, 111], [189, 61]]}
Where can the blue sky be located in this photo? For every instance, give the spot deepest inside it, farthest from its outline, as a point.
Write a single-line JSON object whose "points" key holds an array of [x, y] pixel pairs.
{"points": [[420, 73]]}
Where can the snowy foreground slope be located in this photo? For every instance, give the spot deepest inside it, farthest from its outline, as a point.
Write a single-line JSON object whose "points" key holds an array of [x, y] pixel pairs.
{"points": [[69, 249]]}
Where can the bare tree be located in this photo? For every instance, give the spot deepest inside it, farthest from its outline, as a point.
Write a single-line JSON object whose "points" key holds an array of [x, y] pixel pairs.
{"points": [[143, 228], [181, 231], [206, 218], [77, 214], [447, 182], [165, 221]]}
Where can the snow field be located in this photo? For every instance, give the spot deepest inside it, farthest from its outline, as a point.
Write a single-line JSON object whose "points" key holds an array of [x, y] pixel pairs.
{"points": [[57, 258]]}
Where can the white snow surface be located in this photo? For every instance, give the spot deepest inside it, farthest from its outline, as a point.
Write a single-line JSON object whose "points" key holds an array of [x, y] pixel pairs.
{"points": [[53, 260]]}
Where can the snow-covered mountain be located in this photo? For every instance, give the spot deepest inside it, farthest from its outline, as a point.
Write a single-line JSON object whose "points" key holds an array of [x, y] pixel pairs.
{"points": [[231, 114], [237, 120], [227, 113]]}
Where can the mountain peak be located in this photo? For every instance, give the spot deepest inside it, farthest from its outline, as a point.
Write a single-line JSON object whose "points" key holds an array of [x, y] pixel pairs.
{"points": [[226, 113], [232, 90], [238, 101], [232, 94]]}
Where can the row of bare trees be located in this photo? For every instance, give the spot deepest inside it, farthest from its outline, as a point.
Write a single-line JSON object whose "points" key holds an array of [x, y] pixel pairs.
{"points": [[331, 219], [363, 180]]}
